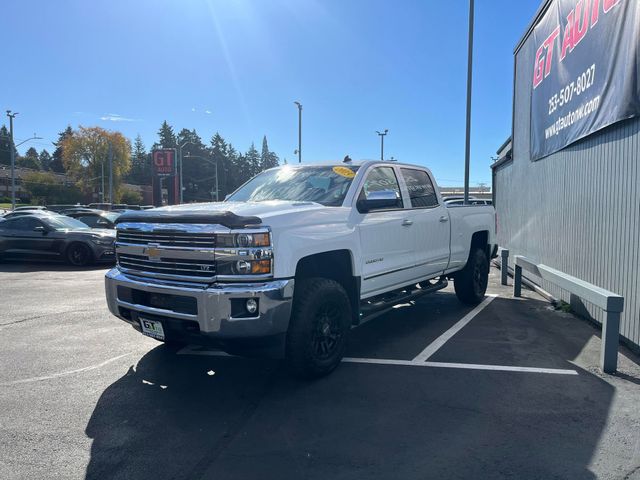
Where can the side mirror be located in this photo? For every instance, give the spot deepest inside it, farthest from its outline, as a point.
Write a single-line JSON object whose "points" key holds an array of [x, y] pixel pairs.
{"points": [[226, 197], [378, 200]]}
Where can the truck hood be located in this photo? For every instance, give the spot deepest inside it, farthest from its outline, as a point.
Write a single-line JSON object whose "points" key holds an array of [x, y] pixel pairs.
{"points": [[229, 214]]}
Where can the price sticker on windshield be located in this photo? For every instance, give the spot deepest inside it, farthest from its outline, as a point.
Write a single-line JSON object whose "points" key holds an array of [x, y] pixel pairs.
{"points": [[344, 172]]}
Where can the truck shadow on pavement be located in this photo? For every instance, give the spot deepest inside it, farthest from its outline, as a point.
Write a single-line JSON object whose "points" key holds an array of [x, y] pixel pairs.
{"points": [[182, 416]]}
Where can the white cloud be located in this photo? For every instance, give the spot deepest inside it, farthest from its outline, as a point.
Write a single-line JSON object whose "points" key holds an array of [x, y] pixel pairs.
{"points": [[208, 112], [114, 117], [193, 109]]}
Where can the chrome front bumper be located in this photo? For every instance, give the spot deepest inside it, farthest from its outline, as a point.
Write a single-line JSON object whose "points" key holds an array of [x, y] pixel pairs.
{"points": [[211, 307]]}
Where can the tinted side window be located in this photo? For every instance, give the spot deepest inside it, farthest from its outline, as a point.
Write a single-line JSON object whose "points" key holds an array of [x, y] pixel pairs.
{"points": [[380, 179], [89, 220], [421, 191], [22, 224]]}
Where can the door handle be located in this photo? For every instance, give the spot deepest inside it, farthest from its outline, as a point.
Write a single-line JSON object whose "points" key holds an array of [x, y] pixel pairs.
{"points": [[444, 218], [407, 223]]}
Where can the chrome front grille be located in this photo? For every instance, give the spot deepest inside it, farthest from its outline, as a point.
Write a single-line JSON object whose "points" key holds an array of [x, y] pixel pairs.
{"points": [[168, 238], [197, 253], [175, 267]]}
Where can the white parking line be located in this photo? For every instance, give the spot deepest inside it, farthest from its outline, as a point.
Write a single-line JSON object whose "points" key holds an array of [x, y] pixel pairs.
{"points": [[446, 336], [63, 374], [465, 366], [421, 359]]}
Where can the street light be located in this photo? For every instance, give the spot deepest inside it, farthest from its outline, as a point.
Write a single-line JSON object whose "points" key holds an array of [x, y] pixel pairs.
{"points": [[299, 151], [382, 134], [12, 149], [467, 145]]}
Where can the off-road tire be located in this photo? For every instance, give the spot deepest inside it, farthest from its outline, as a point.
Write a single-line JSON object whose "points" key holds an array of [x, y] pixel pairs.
{"points": [[78, 254], [319, 326], [471, 282]]}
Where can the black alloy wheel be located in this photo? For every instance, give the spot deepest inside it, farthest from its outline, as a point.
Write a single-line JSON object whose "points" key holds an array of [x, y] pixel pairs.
{"points": [[78, 254]]}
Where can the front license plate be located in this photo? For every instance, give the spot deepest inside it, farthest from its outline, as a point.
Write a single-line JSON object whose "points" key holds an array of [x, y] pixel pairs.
{"points": [[152, 328]]}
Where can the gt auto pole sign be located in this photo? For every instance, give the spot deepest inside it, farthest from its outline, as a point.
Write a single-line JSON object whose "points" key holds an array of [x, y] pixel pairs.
{"points": [[164, 162], [585, 71]]}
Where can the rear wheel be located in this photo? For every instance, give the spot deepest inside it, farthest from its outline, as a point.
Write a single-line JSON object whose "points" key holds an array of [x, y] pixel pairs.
{"points": [[78, 254], [471, 282], [320, 324]]}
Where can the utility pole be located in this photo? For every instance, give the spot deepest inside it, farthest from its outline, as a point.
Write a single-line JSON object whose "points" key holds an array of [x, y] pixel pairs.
{"points": [[299, 151], [110, 173], [102, 181], [181, 158], [13, 159], [467, 147], [382, 134]]}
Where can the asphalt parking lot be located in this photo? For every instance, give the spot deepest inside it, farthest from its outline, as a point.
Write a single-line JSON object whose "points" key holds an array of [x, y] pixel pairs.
{"points": [[509, 389]]}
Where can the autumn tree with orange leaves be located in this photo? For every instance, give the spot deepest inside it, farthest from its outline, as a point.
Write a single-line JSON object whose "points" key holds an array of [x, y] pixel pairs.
{"points": [[87, 150]]}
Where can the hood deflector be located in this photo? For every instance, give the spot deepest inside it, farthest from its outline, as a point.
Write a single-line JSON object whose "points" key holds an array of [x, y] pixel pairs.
{"points": [[227, 219]]}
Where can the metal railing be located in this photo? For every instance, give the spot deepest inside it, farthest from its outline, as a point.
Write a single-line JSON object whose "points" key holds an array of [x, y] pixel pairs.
{"points": [[611, 303]]}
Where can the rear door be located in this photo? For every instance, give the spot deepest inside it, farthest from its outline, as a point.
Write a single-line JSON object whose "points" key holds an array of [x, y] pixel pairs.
{"points": [[386, 238], [431, 223]]}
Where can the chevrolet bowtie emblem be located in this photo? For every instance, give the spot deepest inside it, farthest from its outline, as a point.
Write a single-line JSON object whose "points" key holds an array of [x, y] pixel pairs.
{"points": [[153, 252]]}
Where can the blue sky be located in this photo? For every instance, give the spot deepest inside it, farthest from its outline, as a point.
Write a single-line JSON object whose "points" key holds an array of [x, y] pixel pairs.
{"points": [[236, 66]]}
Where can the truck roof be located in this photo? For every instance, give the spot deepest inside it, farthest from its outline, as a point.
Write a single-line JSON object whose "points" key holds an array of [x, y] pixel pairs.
{"points": [[355, 163]]}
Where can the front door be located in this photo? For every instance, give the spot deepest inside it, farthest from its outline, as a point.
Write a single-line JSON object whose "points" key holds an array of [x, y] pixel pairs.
{"points": [[386, 237], [24, 238]]}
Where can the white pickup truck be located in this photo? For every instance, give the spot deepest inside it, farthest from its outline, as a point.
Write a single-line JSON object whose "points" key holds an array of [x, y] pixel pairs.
{"points": [[296, 256]]}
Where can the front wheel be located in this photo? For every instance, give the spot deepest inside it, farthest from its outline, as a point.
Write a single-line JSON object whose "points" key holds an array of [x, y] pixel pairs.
{"points": [[78, 254], [320, 324], [471, 282]]}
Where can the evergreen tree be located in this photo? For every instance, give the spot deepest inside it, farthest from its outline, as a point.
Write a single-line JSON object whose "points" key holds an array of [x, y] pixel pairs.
{"points": [[166, 136], [197, 172], [140, 173], [29, 160], [45, 160], [220, 157], [5, 146], [268, 159], [252, 157], [242, 169], [233, 177], [56, 164]]}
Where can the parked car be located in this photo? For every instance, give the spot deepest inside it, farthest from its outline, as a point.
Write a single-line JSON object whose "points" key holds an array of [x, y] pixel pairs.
{"points": [[29, 207], [22, 213], [62, 208], [94, 218], [55, 237], [295, 257]]}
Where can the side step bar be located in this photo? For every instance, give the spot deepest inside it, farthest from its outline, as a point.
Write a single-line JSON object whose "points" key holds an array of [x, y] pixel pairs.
{"points": [[388, 300]]}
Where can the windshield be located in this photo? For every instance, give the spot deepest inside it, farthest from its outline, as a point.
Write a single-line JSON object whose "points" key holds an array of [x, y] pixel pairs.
{"points": [[326, 185], [111, 216], [61, 222]]}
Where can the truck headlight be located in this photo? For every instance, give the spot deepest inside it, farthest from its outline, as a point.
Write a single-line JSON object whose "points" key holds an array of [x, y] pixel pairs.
{"points": [[245, 240]]}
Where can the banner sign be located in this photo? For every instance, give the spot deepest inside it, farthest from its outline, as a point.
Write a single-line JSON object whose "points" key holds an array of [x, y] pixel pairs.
{"points": [[164, 162], [585, 71]]}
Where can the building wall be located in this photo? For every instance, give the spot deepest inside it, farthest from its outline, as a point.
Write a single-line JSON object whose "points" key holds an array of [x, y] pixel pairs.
{"points": [[577, 210]]}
